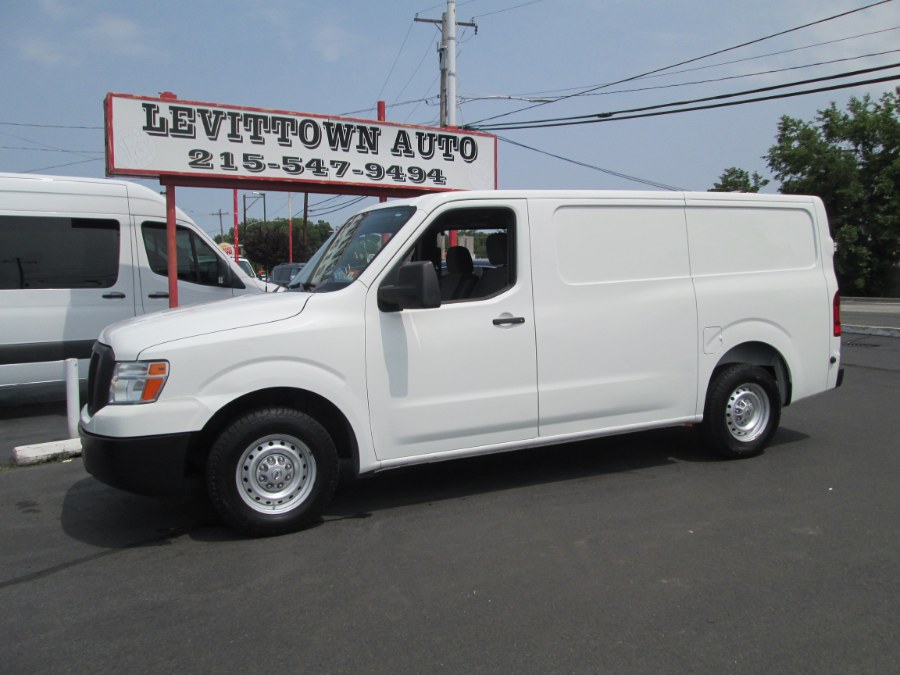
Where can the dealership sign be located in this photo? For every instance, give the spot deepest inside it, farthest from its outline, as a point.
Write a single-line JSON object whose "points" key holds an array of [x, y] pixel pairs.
{"points": [[168, 137]]}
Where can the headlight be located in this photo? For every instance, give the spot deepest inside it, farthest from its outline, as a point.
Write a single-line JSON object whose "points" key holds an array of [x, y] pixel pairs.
{"points": [[138, 382]]}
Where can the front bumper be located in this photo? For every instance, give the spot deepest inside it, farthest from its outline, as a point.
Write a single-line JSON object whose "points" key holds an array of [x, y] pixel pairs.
{"points": [[148, 465]]}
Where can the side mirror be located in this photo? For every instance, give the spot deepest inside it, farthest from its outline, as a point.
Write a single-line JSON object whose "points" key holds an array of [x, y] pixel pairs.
{"points": [[416, 288], [227, 278]]}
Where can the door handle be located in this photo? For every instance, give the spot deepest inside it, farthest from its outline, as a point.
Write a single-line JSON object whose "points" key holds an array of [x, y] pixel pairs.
{"points": [[114, 295], [509, 321], [158, 294]]}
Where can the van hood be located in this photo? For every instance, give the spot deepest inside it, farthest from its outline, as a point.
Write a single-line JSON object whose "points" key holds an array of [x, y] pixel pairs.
{"points": [[128, 338]]}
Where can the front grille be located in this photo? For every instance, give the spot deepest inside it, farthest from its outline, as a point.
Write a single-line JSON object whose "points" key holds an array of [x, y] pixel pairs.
{"points": [[99, 376]]}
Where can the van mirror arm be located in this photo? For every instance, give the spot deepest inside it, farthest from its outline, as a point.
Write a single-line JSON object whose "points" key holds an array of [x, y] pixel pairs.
{"points": [[416, 288]]}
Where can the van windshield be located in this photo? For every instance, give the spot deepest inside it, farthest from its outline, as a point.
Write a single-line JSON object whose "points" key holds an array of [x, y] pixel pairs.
{"points": [[354, 246]]}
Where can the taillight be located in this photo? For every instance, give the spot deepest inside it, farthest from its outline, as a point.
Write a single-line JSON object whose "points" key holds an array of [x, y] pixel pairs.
{"points": [[836, 313]]}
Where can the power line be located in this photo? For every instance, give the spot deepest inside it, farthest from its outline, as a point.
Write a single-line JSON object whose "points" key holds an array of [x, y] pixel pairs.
{"points": [[775, 53], [709, 81], [549, 93], [43, 145], [20, 147], [59, 166], [337, 207], [847, 85], [745, 75], [508, 9], [415, 72], [48, 126], [313, 211], [606, 115], [396, 58], [610, 172], [691, 60]]}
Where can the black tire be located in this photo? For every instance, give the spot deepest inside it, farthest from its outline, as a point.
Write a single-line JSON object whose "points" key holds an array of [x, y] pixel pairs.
{"points": [[272, 471], [743, 409]]}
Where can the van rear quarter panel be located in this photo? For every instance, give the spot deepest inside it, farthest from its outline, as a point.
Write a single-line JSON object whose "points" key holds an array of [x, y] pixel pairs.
{"points": [[758, 275], [615, 313]]}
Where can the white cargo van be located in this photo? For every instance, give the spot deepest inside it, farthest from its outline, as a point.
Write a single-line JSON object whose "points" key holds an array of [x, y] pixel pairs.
{"points": [[77, 254], [593, 313]]}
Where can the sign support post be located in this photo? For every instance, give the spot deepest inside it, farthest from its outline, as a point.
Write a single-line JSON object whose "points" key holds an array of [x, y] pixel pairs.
{"points": [[171, 246]]}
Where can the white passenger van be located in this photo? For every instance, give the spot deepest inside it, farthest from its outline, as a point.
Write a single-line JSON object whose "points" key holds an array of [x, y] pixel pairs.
{"points": [[77, 254], [600, 313]]}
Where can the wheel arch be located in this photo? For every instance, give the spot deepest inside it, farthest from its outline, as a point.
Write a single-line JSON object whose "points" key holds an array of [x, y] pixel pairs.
{"points": [[316, 406], [758, 354]]}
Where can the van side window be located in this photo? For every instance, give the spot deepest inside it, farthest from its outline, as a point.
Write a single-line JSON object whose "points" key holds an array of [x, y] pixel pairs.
{"points": [[50, 252], [473, 252], [197, 262]]}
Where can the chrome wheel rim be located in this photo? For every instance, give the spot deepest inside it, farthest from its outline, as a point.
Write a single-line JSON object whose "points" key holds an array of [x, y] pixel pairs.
{"points": [[276, 474], [747, 412]]}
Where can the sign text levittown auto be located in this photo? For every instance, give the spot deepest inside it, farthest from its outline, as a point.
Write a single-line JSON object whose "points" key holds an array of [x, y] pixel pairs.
{"points": [[164, 136]]}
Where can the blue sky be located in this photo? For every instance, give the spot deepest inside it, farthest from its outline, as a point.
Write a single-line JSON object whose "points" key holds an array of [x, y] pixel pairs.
{"points": [[61, 57]]}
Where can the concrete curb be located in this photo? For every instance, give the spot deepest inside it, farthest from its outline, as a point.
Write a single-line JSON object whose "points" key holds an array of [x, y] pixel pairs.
{"points": [[44, 452], [871, 301], [881, 331]]}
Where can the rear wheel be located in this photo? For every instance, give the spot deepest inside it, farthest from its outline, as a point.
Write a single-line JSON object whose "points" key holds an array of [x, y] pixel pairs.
{"points": [[272, 471], [743, 409]]}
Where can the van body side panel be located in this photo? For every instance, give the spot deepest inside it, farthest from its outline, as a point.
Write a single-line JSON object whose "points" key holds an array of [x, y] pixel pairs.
{"points": [[615, 313], [449, 378], [42, 324], [758, 275]]}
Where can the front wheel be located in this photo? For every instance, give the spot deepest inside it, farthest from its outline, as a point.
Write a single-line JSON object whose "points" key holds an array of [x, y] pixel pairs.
{"points": [[272, 471], [743, 409]]}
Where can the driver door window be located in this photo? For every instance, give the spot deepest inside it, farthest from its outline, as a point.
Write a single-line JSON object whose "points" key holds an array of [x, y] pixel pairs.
{"points": [[473, 252]]}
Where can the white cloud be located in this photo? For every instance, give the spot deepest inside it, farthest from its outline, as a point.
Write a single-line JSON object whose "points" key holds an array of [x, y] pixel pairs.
{"points": [[69, 41], [331, 42], [58, 10], [41, 51], [117, 36]]}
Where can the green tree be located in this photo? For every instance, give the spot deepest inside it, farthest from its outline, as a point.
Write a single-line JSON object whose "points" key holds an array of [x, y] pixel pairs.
{"points": [[851, 159], [734, 179], [266, 243]]}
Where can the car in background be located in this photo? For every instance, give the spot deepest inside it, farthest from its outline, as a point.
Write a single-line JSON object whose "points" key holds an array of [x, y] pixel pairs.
{"points": [[284, 272], [245, 265]]}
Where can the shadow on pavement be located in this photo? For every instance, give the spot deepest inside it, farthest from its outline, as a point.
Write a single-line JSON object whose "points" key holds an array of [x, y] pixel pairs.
{"points": [[103, 516]]}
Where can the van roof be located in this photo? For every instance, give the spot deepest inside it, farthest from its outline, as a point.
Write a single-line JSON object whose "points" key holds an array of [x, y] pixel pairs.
{"points": [[432, 200], [101, 187]]}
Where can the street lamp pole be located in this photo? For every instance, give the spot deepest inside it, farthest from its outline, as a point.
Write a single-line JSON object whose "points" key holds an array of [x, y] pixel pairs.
{"points": [[263, 195], [253, 200], [244, 233]]}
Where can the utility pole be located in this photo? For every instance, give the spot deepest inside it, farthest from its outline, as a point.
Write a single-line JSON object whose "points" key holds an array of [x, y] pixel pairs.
{"points": [[447, 54], [220, 213]]}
